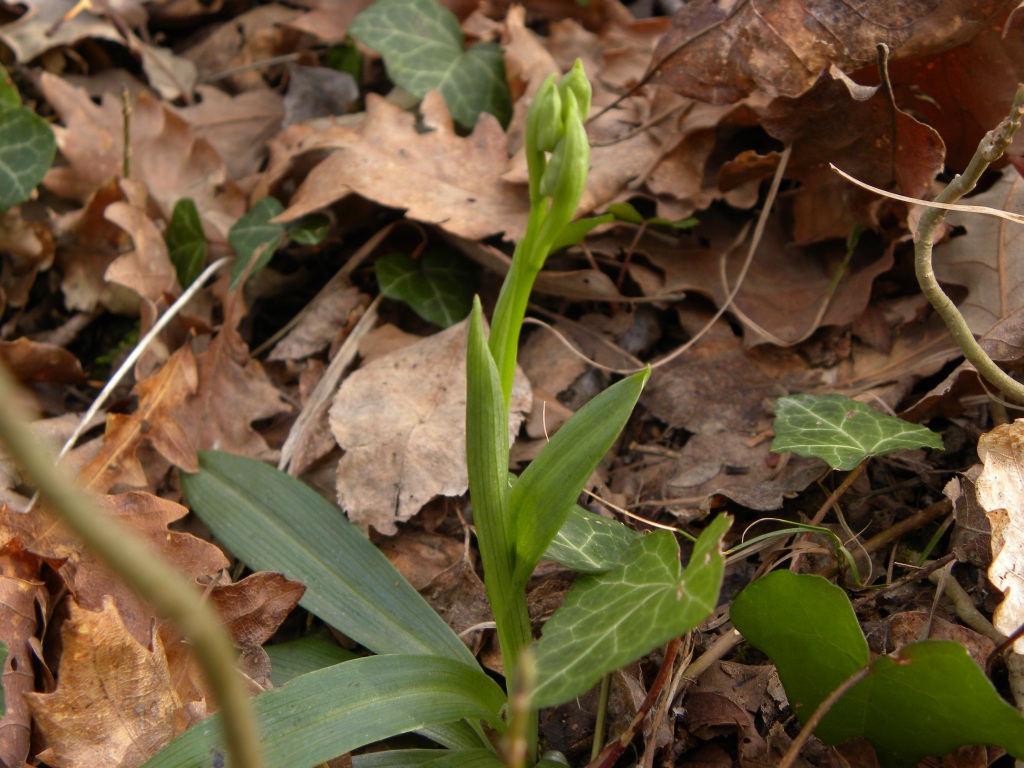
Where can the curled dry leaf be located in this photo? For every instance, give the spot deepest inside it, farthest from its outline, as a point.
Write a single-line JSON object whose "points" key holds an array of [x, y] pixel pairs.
{"points": [[401, 420], [254, 607], [29, 361], [1000, 491], [114, 704]]}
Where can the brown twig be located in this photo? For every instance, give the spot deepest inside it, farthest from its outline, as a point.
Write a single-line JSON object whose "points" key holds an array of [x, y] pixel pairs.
{"points": [[613, 751]]}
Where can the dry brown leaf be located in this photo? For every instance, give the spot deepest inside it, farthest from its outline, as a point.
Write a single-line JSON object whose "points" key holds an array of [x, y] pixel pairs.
{"points": [[989, 261], [232, 392], [114, 704], [29, 361], [401, 421], [20, 591], [165, 154], [254, 607], [437, 176], [721, 54], [154, 422], [321, 322], [1000, 490], [857, 128], [30, 249], [238, 127]]}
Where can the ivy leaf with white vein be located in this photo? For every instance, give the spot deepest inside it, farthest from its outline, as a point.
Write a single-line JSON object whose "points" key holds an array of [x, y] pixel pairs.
{"points": [[590, 543], [613, 618], [422, 46], [843, 431]]}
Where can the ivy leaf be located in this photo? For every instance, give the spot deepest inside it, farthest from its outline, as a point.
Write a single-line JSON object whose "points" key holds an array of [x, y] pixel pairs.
{"points": [[186, 242], [843, 431], [929, 698], [27, 149], [438, 287], [255, 239], [310, 230], [613, 618], [422, 46], [589, 543]]}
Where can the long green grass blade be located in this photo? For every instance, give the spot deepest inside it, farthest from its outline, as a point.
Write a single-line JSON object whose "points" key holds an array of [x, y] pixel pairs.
{"points": [[272, 521], [547, 491], [327, 713]]}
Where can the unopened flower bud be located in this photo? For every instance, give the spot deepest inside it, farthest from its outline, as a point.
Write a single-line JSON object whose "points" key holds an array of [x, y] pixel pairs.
{"points": [[544, 123], [575, 81]]}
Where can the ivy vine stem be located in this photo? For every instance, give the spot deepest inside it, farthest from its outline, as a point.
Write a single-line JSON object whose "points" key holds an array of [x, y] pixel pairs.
{"points": [[990, 149]]}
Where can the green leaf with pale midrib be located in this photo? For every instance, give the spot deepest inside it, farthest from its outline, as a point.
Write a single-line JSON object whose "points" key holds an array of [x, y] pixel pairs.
{"points": [[422, 46], [613, 618], [255, 239], [325, 714], [842, 431], [272, 521], [589, 543], [928, 699], [439, 286], [548, 489]]}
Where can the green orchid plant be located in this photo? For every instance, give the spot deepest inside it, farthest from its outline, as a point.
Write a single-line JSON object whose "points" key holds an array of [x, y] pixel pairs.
{"points": [[631, 596]]}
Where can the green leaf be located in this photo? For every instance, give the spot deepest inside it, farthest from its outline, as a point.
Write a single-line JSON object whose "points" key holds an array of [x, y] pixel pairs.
{"points": [[273, 522], [589, 543], [9, 96], [613, 618], [575, 231], [310, 230], [397, 758], [842, 431], [293, 658], [466, 758], [324, 714], [422, 46], [27, 149], [628, 213], [548, 489], [255, 239], [807, 626], [186, 242], [438, 287], [929, 698]]}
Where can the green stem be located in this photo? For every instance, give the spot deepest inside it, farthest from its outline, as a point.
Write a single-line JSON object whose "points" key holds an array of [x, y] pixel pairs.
{"points": [[147, 573], [991, 148]]}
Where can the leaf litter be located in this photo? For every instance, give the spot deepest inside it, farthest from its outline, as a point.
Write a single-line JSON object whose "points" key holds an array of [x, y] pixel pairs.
{"points": [[696, 110]]}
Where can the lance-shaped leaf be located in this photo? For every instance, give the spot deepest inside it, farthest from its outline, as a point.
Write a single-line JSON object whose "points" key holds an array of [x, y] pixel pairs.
{"points": [[843, 431], [301, 656], [273, 522], [929, 698], [613, 618], [325, 714], [547, 491], [186, 242]]}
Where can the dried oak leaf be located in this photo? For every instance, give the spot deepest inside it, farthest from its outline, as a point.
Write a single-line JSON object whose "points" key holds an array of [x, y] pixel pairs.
{"points": [[166, 156], [232, 392], [859, 129], [439, 177], [154, 422], [115, 703], [20, 590], [401, 421], [1000, 491], [720, 55]]}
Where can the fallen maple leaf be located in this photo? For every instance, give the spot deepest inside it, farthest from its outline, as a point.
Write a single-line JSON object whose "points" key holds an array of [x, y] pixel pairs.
{"points": [[401, 420], [114, 704]]}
